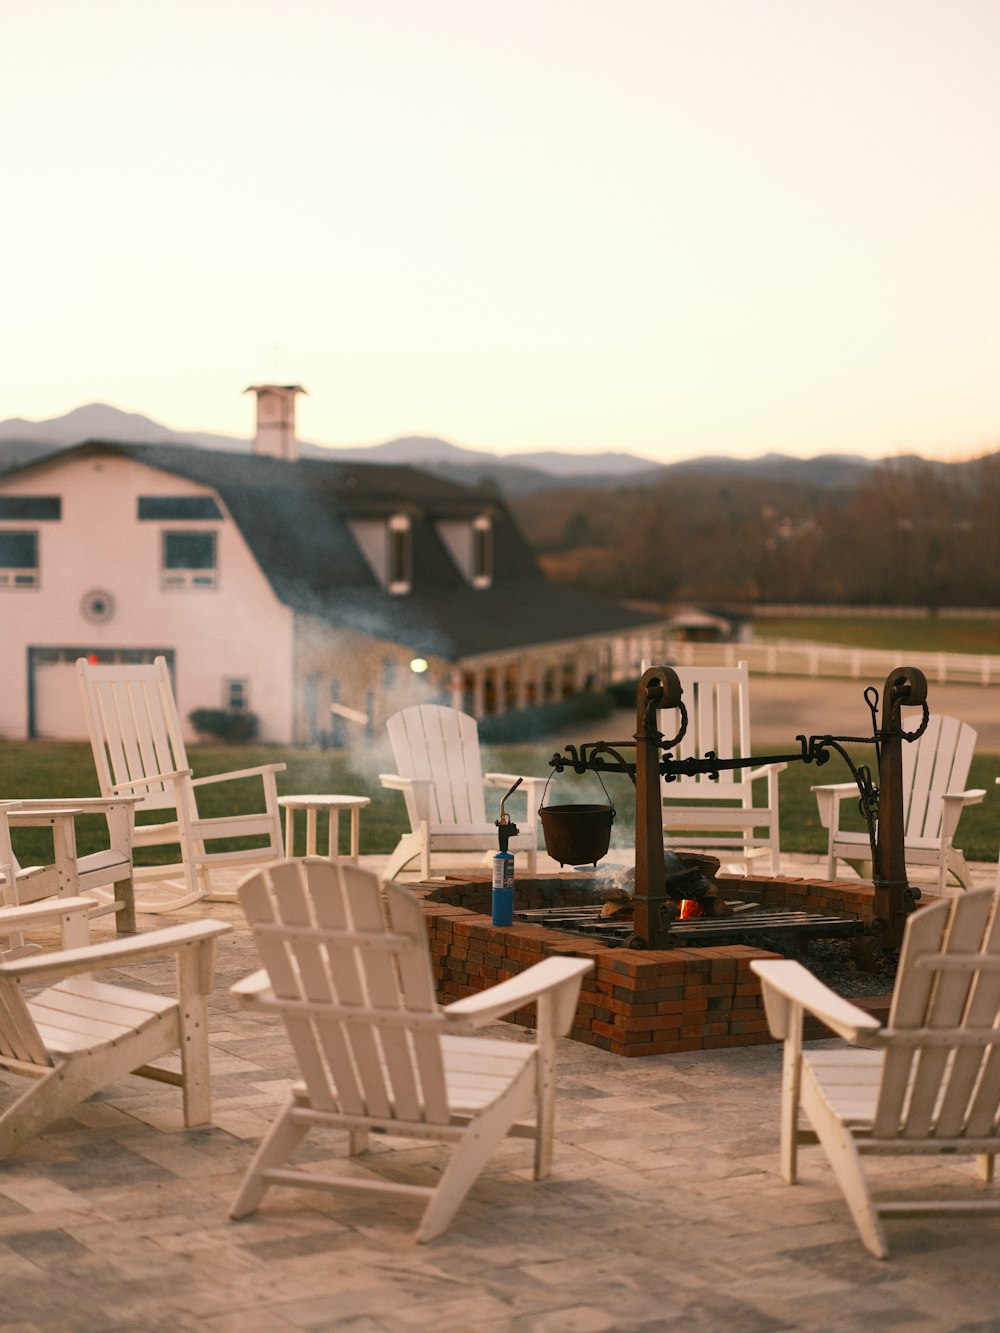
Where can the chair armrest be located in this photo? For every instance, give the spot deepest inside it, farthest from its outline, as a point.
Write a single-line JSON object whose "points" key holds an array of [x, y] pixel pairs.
{"points": [[767, 770], [252, 990], [508, 780], [40, 914], [113, 953], [25, 816], [829, 798], [78, 804], [172, 776], [551, 975], [260, 771], [787, 986], [396, 782], [953, 802]]}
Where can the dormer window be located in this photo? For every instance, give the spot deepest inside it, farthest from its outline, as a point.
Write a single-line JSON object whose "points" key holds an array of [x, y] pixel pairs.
{"points": [[482, 551], [387, 545], [399, 554], [470, 545]]}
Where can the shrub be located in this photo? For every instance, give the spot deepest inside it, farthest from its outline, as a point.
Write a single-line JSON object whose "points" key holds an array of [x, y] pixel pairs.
{"points": [[544, 719], [221, 725]]}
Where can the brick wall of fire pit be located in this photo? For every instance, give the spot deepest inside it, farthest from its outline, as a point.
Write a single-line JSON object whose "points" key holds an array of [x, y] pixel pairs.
{"points": [[636, 1002]]}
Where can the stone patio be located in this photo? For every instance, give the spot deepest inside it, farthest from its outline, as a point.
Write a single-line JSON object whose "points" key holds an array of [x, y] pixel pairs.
{"points": [[665, 1210]]}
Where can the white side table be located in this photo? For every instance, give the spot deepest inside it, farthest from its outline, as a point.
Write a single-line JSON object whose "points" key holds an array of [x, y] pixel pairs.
{"points": [[333, 806]]}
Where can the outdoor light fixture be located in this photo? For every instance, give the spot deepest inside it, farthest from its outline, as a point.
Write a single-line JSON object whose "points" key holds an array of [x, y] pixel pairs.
{"points": [[419, 665]]}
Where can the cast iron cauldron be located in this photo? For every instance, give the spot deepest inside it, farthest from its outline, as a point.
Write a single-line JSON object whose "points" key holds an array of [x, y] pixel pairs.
{"points": [[577, 835]]}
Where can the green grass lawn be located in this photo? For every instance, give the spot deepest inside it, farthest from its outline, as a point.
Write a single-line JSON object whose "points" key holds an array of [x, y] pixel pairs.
{"points": [[930, 634], [49, 769]]}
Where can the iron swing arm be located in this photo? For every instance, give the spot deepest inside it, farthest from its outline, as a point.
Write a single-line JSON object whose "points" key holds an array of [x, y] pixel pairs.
{"points": [[881, 805]]}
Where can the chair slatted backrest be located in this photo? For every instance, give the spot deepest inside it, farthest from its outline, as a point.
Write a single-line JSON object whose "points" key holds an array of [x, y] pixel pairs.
{"points": [[941, 1077], [20, 1042], [937, 762], [717, 700], [441, 744], [349, 965], [8, 862], [134, 728]]}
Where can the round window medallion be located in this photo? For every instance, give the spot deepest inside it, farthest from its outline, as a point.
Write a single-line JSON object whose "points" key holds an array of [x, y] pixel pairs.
{"points": [[98, 605]]}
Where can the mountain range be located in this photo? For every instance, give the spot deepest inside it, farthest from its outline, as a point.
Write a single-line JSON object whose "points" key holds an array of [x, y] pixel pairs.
{"points": [[23, 441]]}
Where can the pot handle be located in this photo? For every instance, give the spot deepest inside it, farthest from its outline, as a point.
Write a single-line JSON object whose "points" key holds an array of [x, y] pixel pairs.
{"points": [[596, 772]]}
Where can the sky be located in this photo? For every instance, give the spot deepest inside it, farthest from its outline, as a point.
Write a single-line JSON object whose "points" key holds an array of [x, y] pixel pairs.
{"points": [[671, 227]]}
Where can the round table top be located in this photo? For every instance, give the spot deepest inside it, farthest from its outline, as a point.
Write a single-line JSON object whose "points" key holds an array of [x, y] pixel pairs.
{"points": [[324, 802]]}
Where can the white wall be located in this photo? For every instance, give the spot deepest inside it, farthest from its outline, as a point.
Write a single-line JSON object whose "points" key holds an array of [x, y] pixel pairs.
{"points": [[237, 629]]}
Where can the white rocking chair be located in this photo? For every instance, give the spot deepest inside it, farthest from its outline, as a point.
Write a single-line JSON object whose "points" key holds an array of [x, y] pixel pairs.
{"points": [[926, 1083], [347, 967], [135, 734]]}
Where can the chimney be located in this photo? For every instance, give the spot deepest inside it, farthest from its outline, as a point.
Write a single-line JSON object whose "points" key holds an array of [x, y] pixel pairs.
{"points": [[276, 420]]}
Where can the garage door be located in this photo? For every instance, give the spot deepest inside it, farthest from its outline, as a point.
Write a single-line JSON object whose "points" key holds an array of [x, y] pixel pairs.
{"points": [[55, 705]]}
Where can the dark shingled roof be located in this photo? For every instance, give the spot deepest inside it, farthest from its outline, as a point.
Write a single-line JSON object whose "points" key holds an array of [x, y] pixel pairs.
{"points": [[295, 519]]}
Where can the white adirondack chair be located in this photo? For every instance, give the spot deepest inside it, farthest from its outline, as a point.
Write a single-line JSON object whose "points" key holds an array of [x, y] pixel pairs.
{"points": [[346, 964], [79, 1034], [440, 773], [926, 1083], [720, 816], [935, 771], [135, 734], [104, 876]]}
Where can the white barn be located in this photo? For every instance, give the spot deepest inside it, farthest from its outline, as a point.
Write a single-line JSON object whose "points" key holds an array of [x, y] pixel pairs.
{"points": [[303, 591]]}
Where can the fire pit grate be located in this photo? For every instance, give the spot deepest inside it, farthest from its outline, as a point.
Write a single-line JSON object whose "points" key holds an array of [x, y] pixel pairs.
{"points": [[749, 923]]}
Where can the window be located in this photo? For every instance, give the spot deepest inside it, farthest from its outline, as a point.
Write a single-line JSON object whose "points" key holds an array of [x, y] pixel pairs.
{"points": [[188, 560], [399, 554], [182, 507], [387, 546], [31, 507], [236, 695], [469, 542], [482, 552], [18, 559]]}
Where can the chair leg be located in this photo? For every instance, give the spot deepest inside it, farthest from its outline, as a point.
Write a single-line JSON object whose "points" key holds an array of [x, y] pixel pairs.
{"points": [[984, 1166], [471, 1154], [846, 1166], [406, 849], [194, 968], [73, 1080], [277, 1146]]}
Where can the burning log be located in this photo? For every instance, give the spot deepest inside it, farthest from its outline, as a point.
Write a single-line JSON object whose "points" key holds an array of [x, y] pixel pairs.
{"points": [[689, 883]]}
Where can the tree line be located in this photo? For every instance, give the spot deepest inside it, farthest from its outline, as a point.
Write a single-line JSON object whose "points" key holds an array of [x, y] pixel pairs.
{"points": [[909, 532]]}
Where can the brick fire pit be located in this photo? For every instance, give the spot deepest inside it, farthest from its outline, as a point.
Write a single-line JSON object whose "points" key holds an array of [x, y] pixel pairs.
{"points": [[637, 1001]]}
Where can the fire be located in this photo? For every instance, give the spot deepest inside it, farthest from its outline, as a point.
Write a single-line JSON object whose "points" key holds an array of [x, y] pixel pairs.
{"points": [[690, 907]]}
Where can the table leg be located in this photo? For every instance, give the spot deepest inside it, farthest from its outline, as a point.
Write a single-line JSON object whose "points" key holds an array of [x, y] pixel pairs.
{"points": [[355, 833], [333, 835]]}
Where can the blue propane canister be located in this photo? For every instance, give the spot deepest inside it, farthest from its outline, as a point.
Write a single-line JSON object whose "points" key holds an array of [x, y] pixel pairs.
{"points": [[503, 867], [503, 889]]}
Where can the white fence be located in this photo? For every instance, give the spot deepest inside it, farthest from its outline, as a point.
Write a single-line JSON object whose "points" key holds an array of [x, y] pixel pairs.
{"points": [[798, 657]]}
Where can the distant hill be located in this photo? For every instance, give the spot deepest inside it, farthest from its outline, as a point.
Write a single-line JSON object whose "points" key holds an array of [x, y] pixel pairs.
{"points": [[23, 441]]}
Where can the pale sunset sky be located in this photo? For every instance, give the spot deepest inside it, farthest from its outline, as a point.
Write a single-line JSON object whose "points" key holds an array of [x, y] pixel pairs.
{"points": [[673, 227]]}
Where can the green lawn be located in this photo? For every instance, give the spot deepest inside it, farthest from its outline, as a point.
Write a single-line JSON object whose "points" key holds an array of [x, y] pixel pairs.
{"points": [[930, 634], [48, 769]]}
